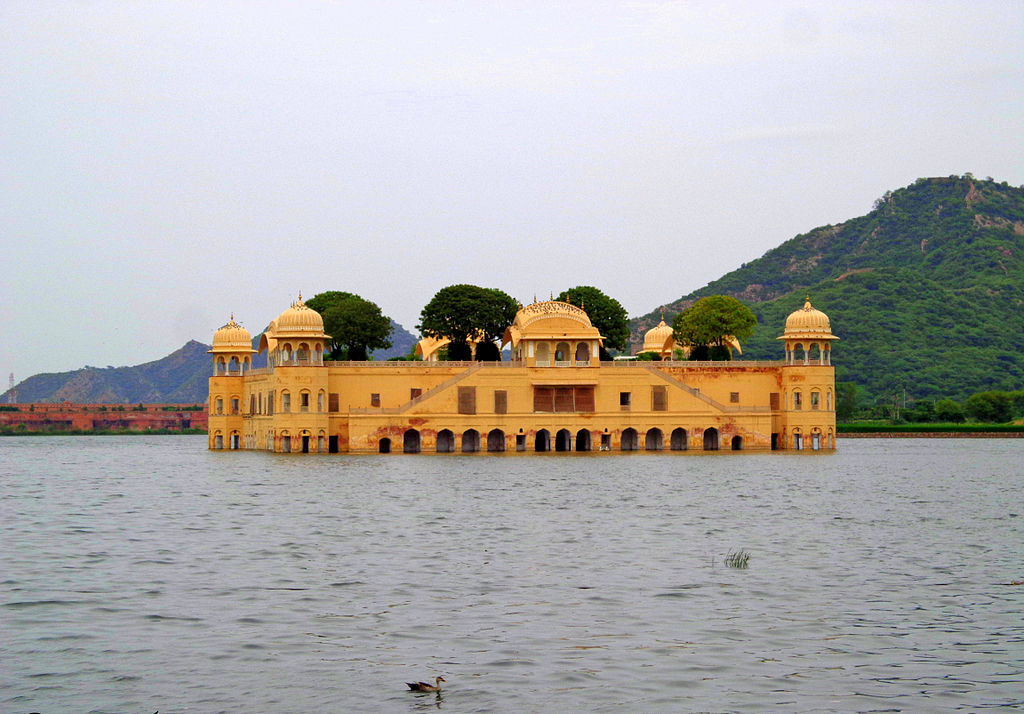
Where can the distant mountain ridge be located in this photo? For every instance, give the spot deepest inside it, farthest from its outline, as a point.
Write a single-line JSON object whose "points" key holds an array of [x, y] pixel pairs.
{"points": [[925, 291], [179, 378]]}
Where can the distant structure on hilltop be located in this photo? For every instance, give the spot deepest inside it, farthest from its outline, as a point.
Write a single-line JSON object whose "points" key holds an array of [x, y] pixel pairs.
{"points": [[554, 395]]}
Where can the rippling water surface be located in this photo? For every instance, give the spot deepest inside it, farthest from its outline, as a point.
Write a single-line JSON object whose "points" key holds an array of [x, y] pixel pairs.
{"points": [[142, 574]]}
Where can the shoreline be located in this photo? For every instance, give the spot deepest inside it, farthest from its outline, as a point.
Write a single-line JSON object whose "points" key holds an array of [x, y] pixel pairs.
{"points": [[930, 435]]}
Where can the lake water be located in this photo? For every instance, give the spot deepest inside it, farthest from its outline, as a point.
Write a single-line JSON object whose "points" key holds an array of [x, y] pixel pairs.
{"points": [[146, 573]]}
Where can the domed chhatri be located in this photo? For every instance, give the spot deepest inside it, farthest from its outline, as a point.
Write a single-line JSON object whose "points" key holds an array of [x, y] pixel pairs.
{"points": [[231, 337], [808, 321], [300, 318], [296, 338], [232, 349], [553, 333], [808, 336], [660, 339], [554, 394]]}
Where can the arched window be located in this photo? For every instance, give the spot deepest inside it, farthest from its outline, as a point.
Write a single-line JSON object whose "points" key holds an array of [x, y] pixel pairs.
{"points": [[411, 441], [828, 399], [220, 405], [304, 401], [470, 441], [562, 354], [222, 366], [630, 440], [320, 401], [286, 352], [679, 440], [799, 356], [814, 353], [233, 365], [543, 354], [318, 354], [218, 440], [582, 354], [711, 439], [302, 355], [286, 402], [583, 440], [496, 440], [445, 441], [543, 441], [798, 400], [798, 440], [815, 400], [655, 440], [563, 440]]}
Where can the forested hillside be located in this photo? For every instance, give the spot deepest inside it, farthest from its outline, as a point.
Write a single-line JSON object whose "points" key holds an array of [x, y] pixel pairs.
{"points": [[925, 291]]}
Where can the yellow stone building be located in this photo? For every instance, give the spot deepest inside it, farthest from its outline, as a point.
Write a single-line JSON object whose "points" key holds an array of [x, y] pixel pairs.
{"points": [[553, 395]]}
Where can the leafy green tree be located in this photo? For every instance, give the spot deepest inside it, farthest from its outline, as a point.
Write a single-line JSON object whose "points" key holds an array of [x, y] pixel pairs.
{"points": [[923, 411], [356, 325], [464, 312], [710, 322], [488, 352], [648, 357], [1017, 398], [846, 401], [946, 410], [990, 406], [605, 313]]}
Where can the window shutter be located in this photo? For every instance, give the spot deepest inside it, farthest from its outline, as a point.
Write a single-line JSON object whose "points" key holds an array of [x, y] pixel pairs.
{"points": [[659, 398], [584, 399], [467, 400], [563, 399], [543, 399], [333, 402], [500, 401]]}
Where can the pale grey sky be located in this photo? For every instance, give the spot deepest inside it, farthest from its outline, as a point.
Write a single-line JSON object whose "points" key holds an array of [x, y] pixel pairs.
{"points": [[163, 164]]}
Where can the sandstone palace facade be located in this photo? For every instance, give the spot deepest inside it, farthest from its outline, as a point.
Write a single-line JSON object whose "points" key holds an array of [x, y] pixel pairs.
{"points": [[553, 395]]}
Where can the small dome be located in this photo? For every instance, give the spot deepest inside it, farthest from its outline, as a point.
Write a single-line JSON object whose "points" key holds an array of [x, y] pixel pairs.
{"points": [[299, 318], [657, 337], [232, 337], [808, 322]]}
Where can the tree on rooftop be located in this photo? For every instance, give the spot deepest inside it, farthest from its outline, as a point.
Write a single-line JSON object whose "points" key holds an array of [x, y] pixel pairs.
{"points": [[467, 312], [707, 325], [605, 313], [356, 325]]}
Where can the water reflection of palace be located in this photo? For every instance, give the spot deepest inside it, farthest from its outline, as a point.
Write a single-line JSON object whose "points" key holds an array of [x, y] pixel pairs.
{"points": [[554, 395]]}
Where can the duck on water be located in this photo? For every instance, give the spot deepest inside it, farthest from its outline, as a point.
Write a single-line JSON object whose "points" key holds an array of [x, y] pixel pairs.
{"points": [[426, 686]]}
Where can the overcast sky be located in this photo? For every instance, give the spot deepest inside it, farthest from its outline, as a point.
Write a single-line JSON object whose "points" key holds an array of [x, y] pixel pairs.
{"points": [[164, 164]]}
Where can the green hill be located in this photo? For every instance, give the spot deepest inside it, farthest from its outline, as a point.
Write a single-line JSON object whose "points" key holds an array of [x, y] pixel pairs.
{"points": [[925, 291]]}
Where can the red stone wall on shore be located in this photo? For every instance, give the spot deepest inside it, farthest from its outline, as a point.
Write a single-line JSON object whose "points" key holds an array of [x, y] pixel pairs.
{"points": [[90, 417]]}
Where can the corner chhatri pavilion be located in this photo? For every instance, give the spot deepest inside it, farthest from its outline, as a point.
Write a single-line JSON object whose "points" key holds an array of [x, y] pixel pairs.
{"points": [[554, 395]]}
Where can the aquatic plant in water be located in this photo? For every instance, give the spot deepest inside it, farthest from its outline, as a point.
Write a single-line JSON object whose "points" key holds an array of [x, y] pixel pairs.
{"points": [[737, 559]]}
